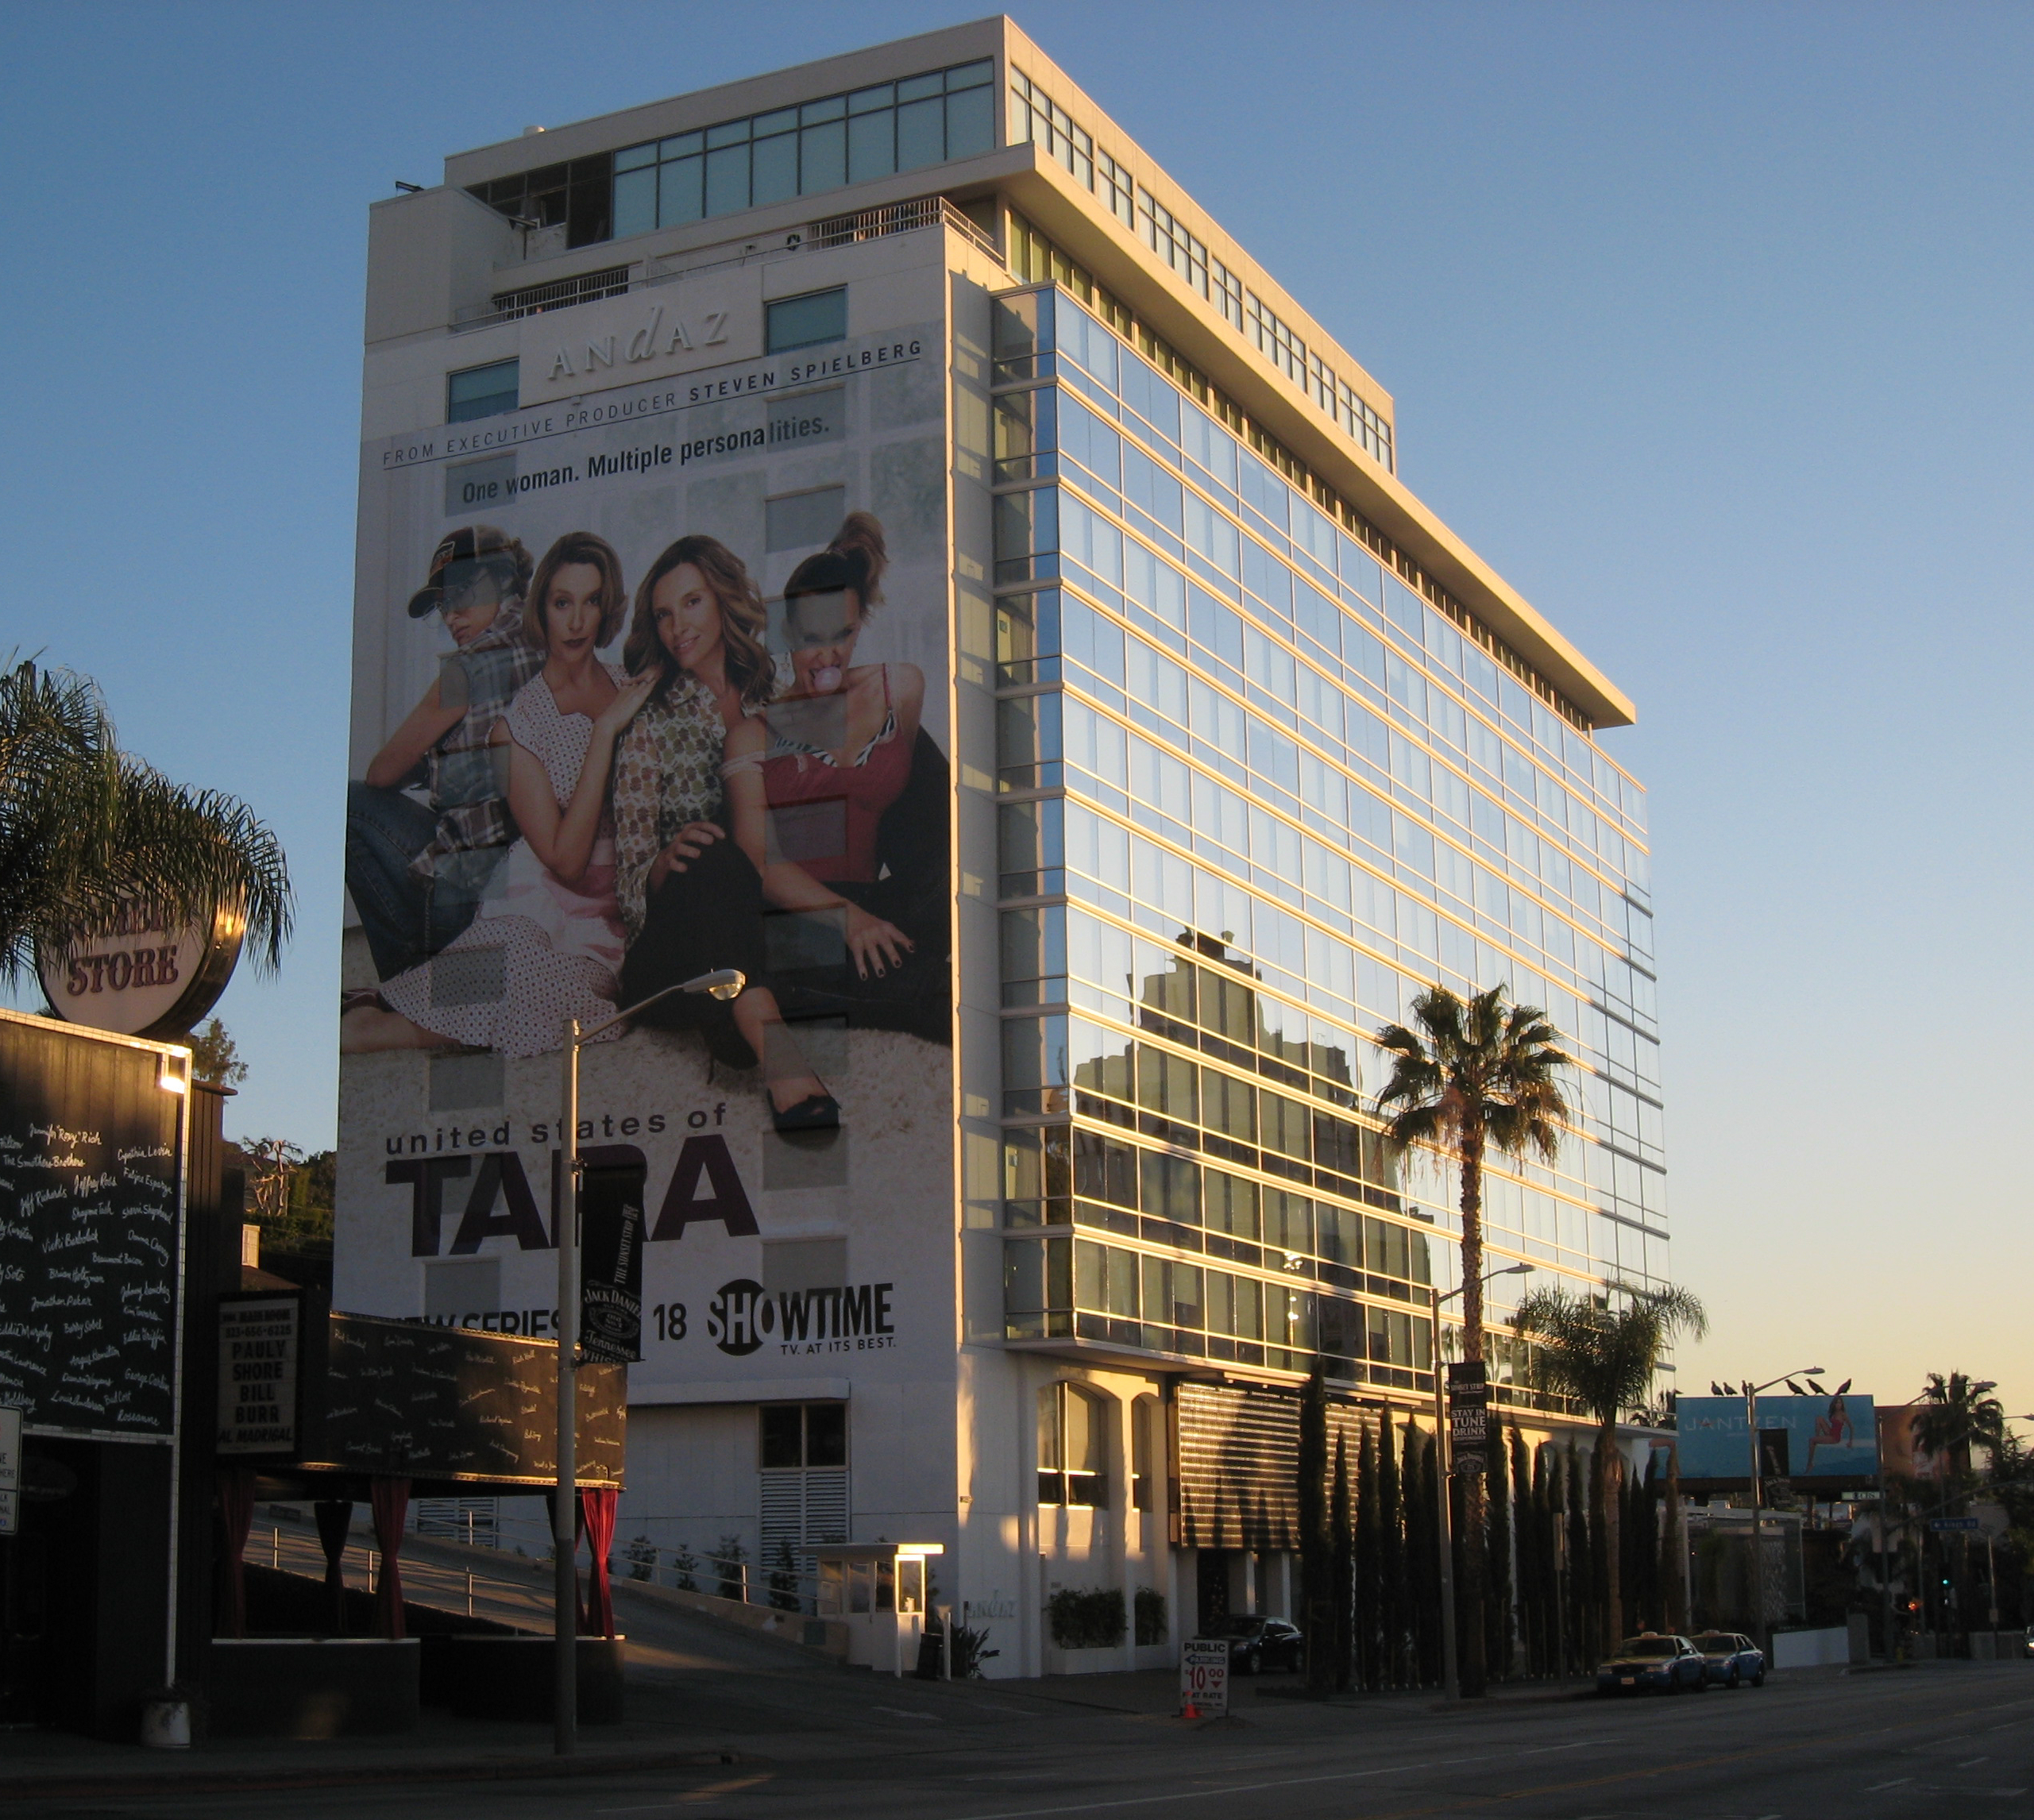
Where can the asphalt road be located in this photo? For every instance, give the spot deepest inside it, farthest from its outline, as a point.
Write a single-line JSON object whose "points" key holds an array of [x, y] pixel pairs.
{"points": [[1950, 1739]]}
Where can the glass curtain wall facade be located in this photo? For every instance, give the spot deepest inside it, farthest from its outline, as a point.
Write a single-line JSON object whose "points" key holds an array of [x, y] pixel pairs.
{"points": [[1254, 794]]}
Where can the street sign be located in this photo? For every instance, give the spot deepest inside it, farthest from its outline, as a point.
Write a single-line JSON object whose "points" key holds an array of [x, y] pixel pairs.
{"points": [[1468, 1407], [1204, 1678], [10, 1471], [1955, 1525]]}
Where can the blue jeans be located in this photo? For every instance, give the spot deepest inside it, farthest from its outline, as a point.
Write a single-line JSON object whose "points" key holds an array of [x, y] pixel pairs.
{"points": [[407, 919]]}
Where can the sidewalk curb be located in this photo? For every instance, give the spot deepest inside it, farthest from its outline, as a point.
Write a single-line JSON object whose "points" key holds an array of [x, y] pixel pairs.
{"points": [[221, 1781]]}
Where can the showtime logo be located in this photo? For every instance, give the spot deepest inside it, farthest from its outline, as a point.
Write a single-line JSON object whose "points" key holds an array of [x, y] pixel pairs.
{"points": [[743, 1315]]}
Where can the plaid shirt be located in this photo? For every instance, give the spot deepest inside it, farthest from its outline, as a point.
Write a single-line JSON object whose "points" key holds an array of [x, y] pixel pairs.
{"points": [[667, 773], [466, 783]]}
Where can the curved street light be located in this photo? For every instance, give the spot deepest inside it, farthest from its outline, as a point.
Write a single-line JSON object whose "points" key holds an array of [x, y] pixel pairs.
{"points": [[724, 983]]}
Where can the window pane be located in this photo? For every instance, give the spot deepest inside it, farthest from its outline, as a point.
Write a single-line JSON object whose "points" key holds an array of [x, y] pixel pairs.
{"points": [[921, 134], [826, 1434], [834, 107], [782, 120], [727, 180], [683, 145], [635, 201], [971, 122], [783, 1434], [871, 145], [823, 157], [481, 392], [865, 100], [678, 194], [1232, 1204], [635, 156], [1048, 1429], [1247, 1309], [971, 76], [916, 88], [807, 321], [730, 132], [1091, 1279], [1083, 1443], [775, 177]]}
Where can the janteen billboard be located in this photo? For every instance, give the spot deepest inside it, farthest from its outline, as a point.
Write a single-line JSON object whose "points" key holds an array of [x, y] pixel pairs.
{"points": [[648, 684], [1801, 1438]]}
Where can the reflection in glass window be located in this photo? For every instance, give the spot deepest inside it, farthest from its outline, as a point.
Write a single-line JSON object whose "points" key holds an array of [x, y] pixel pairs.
{"points": [[1070, 1435]]}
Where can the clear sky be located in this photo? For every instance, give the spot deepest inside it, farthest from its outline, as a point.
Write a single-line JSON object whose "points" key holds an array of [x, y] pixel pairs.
{"points": [[1708, 327]]}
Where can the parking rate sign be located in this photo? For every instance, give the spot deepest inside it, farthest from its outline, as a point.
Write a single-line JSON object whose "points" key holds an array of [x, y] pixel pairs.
{"points": [[1204, 1677]]}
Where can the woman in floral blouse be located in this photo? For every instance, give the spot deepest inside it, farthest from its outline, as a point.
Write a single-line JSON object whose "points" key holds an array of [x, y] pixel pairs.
{"points": [[691, 899]]}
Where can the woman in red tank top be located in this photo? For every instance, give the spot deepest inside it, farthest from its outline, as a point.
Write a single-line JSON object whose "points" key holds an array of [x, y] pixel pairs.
{"points": [[807, 781]]}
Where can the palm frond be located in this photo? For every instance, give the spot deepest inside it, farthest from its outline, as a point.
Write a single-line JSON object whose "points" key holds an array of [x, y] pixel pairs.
{"points": [[87, 833], [1602, 1354]]}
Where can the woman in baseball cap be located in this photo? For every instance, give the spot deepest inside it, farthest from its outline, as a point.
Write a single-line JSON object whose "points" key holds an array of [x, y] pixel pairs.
{"points": [[418, 866]]}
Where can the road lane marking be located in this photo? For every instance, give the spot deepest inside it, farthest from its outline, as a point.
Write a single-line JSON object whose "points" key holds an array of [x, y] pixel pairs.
{"points": [[898, 1712], [1580, 1744], [1453, 1803], [1973, 1762], [1898, 1782], [1227, 1788]]}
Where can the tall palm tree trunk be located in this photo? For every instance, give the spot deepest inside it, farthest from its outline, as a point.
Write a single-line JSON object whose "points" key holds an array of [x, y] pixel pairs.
{"points": [[1610, 1493], [1475, 1516]]}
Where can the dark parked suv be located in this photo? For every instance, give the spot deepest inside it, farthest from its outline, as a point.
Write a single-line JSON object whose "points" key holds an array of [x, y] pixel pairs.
{"points": [[1259, 1643]]}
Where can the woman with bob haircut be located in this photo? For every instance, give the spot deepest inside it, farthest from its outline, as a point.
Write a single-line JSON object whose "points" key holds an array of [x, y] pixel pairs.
{"points": [[549, 945], [690, 897]]}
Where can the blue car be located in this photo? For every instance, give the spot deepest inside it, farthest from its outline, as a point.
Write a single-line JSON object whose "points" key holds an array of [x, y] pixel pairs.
{"points": [[1669, 1664], [1730, 1660]]}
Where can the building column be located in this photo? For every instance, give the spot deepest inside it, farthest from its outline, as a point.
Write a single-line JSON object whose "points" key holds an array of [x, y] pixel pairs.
{"points": [[1129, 1523], [1030, 1577]]}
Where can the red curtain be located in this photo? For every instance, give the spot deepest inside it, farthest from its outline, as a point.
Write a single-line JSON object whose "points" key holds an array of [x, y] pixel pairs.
{"points": [[236, 1516], [596, 1521], [335, 1519], [391, 1500]]}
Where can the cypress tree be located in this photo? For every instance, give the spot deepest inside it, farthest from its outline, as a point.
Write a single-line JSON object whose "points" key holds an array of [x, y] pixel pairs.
{"points": [[1370, 1558], [1342, 1522], [1602, 1478], [1578, 1617], [1553, 1523], [1525, 1548], [1497, 1581], [1646, 1546], [1520, 1466], [1391, 1560], [1546, 1519], [1673, 1547], [1316, 1551]]}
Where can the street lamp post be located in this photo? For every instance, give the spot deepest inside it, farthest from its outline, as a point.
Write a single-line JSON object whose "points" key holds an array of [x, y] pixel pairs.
{"points": [[1757, 1548], [725, 983], [1450, 1667]]}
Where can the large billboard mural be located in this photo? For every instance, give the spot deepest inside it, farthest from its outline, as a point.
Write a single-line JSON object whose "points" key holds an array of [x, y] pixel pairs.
{"points": [[1827, 1437], [648, 684]]}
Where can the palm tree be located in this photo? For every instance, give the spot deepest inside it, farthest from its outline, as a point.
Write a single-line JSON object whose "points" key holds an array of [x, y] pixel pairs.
{"points": [[88, 832], [1466, 1077], [1957, 1413], [1602, 1350]]}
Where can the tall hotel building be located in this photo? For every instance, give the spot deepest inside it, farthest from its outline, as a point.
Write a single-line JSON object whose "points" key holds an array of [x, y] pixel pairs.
{"points": [[1074, 845]]}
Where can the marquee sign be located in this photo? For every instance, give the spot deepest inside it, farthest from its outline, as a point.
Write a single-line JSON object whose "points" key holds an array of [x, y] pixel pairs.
{"points": [[140, 978]]}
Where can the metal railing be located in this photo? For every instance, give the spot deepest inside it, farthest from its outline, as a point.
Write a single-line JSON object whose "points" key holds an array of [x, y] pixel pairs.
{"points": [[560, 294], [834, 230], [896, 218], [428, 1583], [638, 1563]]}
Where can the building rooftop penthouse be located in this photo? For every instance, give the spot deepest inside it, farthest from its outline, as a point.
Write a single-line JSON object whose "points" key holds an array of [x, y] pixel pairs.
{"points": [[979, 118]]}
